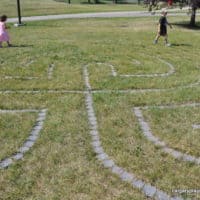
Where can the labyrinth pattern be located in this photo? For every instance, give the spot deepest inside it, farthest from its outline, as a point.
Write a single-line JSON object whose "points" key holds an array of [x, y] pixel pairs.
{"points": [[146, 188]]}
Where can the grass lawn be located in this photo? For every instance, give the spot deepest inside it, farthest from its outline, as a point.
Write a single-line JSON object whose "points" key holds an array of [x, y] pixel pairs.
{"points": [[62, 163], [47, 7]]}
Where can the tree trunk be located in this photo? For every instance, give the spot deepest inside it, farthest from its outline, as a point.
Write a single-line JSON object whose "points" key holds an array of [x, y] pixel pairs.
{"points": [[193, 16]]}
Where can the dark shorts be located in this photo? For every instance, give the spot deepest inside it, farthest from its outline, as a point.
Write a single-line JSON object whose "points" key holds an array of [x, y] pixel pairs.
{"points": [[163, 30]]}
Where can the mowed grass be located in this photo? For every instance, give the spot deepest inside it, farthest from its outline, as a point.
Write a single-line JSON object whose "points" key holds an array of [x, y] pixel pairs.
{"points": [[14, 131], [47, 7], [175, 126], [62, 164]]}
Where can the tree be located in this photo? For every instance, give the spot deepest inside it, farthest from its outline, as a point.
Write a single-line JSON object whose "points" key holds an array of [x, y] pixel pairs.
{"points": [[194, 4]]}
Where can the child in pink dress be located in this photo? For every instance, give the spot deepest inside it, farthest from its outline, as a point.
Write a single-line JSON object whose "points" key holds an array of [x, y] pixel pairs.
{"points": [[4, 37]]}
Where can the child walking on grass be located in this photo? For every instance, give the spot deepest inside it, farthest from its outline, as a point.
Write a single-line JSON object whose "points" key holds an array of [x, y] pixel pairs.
{"points": [[4, 37], [162, 28]]}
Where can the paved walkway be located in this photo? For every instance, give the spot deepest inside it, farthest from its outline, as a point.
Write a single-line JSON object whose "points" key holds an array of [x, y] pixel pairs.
{"points": [[94, 15]]}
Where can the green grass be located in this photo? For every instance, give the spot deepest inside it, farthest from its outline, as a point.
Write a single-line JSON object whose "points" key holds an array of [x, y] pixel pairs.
{"points": [[46, 7], [175, 127], [11, 132], [62, 164]]}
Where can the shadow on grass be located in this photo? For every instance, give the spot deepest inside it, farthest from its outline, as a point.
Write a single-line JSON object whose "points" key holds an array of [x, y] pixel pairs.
{"points": [[180, 44], [20, 46], [99, 2], [187, 25]]}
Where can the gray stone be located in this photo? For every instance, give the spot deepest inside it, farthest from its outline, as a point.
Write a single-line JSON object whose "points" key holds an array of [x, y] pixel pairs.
{"points": [[94, 127], [33, 137], [96, 144], [42, 118], [18, 156], [149, 190], [42, 115], [176, 198], [189, 158], [117, 170], [176, 154], [98, 150], [94, 133], [93, 121], [138, 184], [28, 144], [40, 124], [108, 163], [91, 113], [5, 163], [159, 143], [102, 156], [161, 195], [35, 132], [38, 128], [125, 176], [23, 149]]}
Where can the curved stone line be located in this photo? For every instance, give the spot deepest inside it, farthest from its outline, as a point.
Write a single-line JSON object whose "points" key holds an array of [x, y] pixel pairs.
{"points": [[149, 135], [30, 141], [146, 188], [94, 91], [133, 91], [139, 90], [172, 106], [114, 72]]}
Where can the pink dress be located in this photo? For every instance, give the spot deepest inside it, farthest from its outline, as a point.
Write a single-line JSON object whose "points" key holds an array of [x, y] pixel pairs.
{"points": [[3, 33]]}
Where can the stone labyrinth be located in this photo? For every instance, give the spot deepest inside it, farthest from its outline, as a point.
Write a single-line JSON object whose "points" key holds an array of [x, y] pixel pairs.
{"points": [[102, 156]]}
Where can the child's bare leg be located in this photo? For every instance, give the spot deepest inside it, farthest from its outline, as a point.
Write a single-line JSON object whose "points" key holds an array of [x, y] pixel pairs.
{"points": [[166, 39], [8, 43], [156, 39]]}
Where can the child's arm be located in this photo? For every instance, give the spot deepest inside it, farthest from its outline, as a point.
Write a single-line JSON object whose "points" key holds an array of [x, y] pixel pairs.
{"points": [[169, 24], [159, 28]]}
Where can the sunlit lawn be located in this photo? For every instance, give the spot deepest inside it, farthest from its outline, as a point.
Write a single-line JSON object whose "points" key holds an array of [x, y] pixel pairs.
{"points": [[62, 164], [46, 7]]}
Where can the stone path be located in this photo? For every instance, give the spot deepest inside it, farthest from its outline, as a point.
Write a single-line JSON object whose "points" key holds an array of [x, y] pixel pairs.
{"points": [[196, 126], [146, 188], [34, 134], [149, 135], [170, 72]]}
